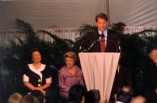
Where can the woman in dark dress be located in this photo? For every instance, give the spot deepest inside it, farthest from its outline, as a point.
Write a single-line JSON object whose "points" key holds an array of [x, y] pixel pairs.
{"points": [[37, 79]]}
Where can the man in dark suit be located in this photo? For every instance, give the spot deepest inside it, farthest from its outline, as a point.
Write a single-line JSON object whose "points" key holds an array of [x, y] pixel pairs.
{"points": [[92, 39], [151, 78]]}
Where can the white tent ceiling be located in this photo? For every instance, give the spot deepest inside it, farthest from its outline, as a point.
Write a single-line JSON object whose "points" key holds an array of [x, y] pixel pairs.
{"points": [[73, 13], [134, 12], [51, 13]]}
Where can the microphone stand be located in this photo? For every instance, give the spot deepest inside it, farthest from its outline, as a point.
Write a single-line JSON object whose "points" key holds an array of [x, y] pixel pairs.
{"points": [[86, 50], [118, 48]]}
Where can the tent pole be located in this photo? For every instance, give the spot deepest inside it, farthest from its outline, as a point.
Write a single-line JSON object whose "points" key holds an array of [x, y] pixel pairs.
{"points": [[108, 10]]}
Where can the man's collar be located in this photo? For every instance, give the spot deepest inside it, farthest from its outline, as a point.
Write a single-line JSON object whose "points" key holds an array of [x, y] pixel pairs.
{"points": [[105, 32]]}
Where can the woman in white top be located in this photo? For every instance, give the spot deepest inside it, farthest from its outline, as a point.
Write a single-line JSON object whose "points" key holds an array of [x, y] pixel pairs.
{"points": [[37, 79]]}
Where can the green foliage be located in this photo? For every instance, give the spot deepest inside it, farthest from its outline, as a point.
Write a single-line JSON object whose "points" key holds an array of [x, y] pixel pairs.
{"points": [[17, 53], [134, 52], [135, 49], [52, 52], [85, 28]]}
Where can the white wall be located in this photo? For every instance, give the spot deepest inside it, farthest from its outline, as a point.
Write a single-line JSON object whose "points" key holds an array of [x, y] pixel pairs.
{"points": [[51, 13]]}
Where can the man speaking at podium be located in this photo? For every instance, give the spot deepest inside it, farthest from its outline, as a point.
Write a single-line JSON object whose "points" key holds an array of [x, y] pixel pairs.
{"points": [[103, 39]]}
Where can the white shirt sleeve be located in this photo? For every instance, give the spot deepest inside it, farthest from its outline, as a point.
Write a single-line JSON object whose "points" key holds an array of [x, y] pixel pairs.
{"points": [[49, 80], [25, 78]]}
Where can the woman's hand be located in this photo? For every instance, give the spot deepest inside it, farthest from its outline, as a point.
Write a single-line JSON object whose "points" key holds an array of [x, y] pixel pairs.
{"points": [[40, 89], [43, 91]]}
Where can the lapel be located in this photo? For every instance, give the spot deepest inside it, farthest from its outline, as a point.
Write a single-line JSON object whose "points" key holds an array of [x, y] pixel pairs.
{"points": [[109, 39]]}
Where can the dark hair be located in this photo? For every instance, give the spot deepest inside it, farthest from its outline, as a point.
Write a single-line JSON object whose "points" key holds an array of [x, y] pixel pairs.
{"points": [[124, 96], [31, 55], [118, 27], [76, 93], [102, 16], [33, 50], [29, 99], [92, 96]]}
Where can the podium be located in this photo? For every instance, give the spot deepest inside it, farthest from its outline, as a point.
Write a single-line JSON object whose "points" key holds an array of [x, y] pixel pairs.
{"points": [[99, 71]]}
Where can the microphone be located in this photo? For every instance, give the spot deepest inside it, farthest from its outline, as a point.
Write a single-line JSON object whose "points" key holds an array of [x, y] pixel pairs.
{"points": [[86, 50], [118, 48], [81, 45], [93, 43]]}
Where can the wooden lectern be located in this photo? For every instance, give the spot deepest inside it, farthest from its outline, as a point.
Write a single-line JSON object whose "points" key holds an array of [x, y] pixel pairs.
{"points": [[99, 71]]}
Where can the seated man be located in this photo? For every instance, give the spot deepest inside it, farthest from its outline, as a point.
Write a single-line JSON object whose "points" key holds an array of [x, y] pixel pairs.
{"points": [[14, 98], [124, 94], [151, 78], [76, 94], [92, 96]]}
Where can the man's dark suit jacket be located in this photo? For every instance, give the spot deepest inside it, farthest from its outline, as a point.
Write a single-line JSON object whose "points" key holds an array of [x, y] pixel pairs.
{"points": [[151, 78], [150, 83], [93, 38]]}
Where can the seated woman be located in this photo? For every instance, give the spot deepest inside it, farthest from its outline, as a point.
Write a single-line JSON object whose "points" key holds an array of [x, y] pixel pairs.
{"points": [[69, 75], [37, 79]]}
